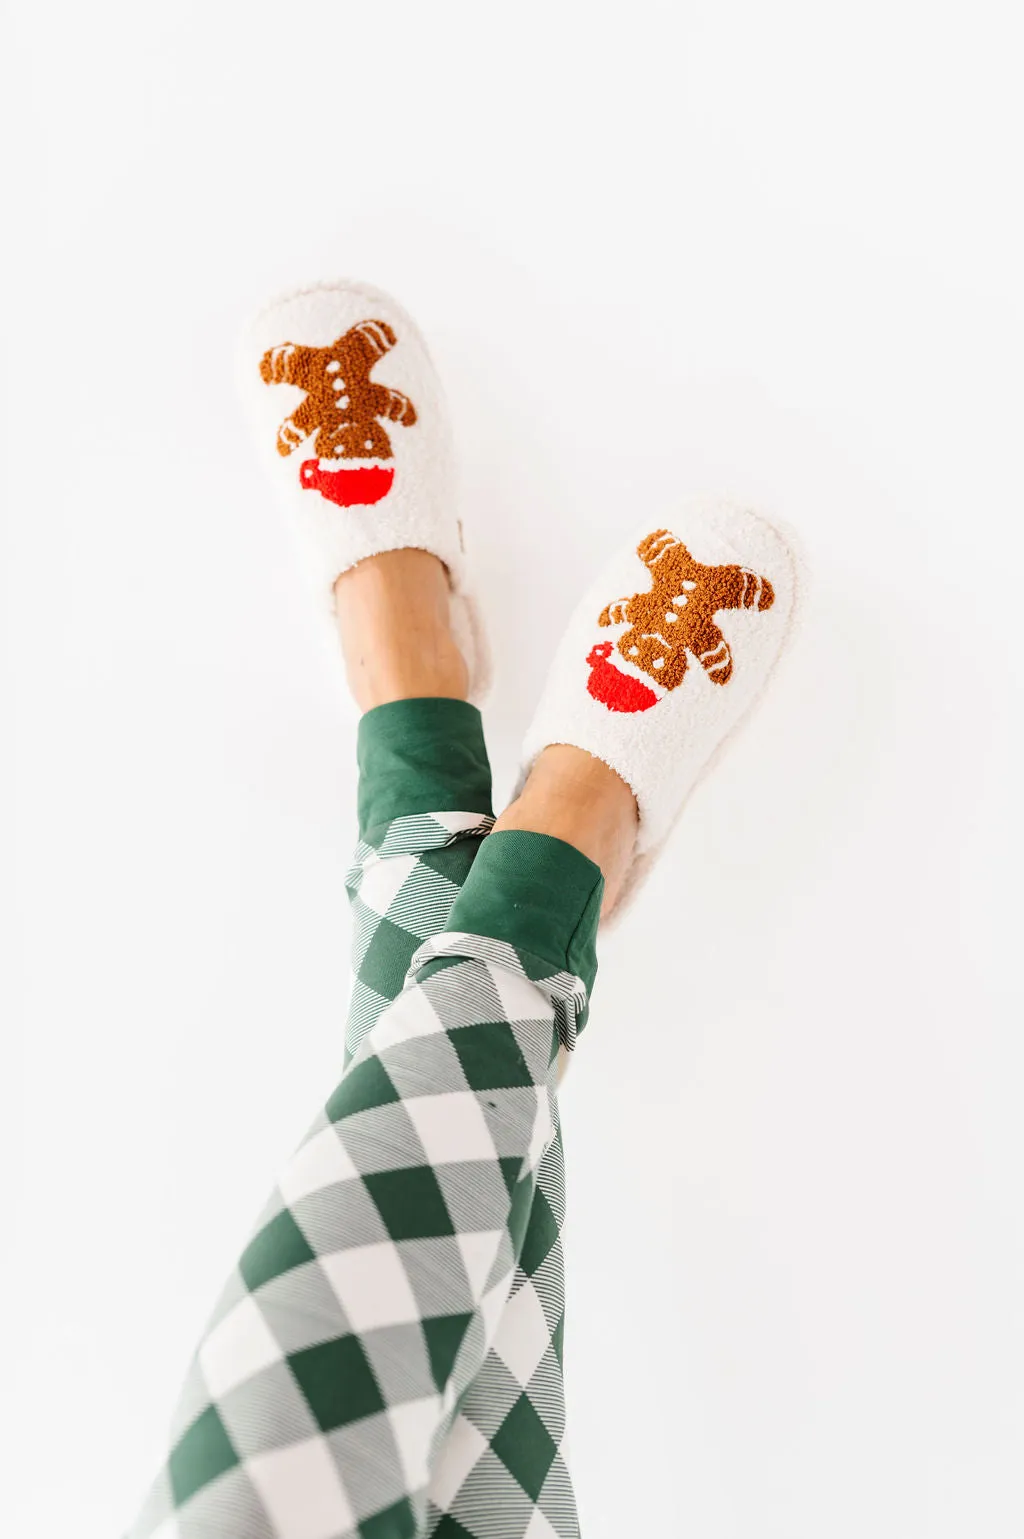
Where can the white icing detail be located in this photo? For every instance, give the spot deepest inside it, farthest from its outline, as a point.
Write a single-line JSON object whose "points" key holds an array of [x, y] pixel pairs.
{"points": [[360, 462]]}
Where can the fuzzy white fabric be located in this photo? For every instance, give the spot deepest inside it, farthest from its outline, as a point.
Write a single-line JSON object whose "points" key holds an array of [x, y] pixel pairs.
{"points": [[420, 508], [661, 751]]}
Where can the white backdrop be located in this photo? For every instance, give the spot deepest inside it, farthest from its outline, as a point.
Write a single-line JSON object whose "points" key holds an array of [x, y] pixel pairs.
{"points": [[768, 251]]}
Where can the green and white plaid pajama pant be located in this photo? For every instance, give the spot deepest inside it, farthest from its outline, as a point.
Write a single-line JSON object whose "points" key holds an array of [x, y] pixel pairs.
{"points": [[386, 1359]]}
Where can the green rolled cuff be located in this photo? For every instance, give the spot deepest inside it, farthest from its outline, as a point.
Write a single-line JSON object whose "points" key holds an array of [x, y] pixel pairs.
{"points": [[421, 756], [540, 895]]}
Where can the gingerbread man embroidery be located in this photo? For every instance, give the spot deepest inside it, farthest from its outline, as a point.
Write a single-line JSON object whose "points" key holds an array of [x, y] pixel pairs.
{"points": [[340, 419], [671, 623]]}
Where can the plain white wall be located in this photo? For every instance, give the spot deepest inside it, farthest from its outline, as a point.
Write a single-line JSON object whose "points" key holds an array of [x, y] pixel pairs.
{"points": [[769, 251]]}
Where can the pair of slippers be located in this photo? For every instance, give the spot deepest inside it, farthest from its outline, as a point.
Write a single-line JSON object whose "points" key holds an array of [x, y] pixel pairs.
{"points": [[663, 655]]}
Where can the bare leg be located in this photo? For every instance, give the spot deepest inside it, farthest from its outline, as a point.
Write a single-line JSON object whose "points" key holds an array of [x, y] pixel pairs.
{"points": [[393, 620], [575, 797]]}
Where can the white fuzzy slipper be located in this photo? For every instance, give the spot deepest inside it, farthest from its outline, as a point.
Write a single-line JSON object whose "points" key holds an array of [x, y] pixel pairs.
{"points": [[665, 654], [351, 423]]}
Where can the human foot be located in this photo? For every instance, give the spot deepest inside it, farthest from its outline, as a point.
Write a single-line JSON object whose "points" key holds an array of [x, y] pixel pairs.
{"points": [[351, 424], [572, 796], [651, 683], [394, 621]]}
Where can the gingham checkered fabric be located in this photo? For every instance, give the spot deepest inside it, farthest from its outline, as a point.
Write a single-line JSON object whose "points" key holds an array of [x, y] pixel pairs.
{"points": [[386, 1359], [502, 1473]]}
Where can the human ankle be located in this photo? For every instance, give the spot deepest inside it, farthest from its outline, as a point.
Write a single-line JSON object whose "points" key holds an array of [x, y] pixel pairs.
{"points": [[394, 623], [571, 795]]}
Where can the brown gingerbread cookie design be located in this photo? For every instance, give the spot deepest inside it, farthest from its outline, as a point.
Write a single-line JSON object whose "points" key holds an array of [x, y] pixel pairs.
{"points": [[341, 417], [671, 623]]}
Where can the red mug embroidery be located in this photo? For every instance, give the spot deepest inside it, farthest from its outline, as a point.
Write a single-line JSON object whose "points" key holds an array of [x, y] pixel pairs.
{"points": [[358, 487], [617, 690]]}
